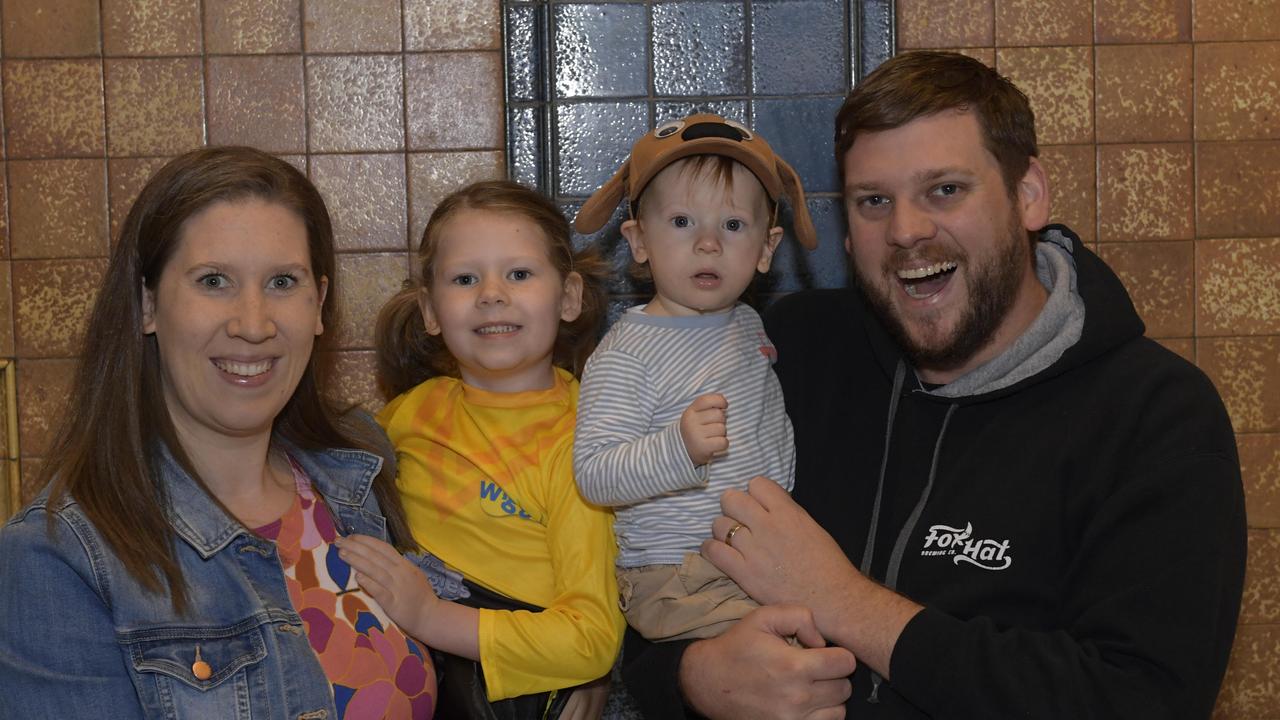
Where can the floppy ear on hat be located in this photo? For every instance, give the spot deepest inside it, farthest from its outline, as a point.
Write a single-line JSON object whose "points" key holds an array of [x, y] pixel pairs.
{"points": [[802, 224], [598, 208]]}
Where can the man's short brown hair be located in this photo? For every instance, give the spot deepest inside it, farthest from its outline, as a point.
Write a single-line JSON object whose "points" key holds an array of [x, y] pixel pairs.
{"points": [[918, 84]]}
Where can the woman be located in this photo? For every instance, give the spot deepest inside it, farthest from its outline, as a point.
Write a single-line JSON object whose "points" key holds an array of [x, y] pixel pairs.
{"points": [[180, 562]]}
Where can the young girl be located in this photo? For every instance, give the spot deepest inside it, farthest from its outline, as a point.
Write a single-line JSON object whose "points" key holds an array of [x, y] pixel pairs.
{"points": [[482, 361]]}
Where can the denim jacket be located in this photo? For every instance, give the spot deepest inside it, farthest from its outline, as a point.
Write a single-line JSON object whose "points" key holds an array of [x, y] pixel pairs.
{"points": [[81, 639]]}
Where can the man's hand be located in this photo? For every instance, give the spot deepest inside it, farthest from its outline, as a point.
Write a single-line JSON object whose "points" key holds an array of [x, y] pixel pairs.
{"points": [[702, 428], [781, 555], [752, 672]]}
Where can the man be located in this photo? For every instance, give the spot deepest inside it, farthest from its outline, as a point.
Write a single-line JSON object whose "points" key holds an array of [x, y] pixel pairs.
{"points": [[1008, 502]]}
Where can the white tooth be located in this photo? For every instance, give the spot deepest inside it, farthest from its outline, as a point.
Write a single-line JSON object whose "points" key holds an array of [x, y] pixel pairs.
{"points": [[244, 369], [926, 271], [494, 329]]}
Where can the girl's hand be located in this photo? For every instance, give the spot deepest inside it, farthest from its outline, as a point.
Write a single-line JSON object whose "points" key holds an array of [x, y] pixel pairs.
{"points": [[587, 702], [392, 581]]}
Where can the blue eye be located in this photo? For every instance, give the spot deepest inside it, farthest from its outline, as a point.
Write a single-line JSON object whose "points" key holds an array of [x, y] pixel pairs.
{"points": [[948, 189], [521, 274], [465, 280], [283, 282], [734, 225], [874, 200], [681, 221], [213, 281]]}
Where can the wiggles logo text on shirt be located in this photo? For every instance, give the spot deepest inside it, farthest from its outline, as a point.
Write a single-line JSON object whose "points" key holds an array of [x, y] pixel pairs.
{"points": [[497, 503]]}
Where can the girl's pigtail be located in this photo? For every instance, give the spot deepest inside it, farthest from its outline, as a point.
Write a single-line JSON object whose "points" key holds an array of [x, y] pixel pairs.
{"points": [[578, 339], [406, 354]]}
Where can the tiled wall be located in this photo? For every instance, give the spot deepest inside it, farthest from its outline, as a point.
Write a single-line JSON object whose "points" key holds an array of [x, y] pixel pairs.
{"points": [[1160, 124], [1160, 121], [387, 104]]}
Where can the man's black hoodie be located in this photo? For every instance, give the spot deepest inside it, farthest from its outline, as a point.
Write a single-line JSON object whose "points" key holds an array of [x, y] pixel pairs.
{"points": [[1077, 538]]}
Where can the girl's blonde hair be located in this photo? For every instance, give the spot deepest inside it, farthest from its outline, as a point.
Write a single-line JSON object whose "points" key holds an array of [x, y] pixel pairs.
{"points": [[407, 355]]}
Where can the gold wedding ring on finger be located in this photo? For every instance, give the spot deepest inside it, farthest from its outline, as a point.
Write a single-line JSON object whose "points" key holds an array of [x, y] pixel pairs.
{"points": [[728, 537]]}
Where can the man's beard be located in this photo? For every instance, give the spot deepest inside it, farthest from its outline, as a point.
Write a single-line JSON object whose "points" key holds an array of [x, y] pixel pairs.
{"points": [[993, 288]]}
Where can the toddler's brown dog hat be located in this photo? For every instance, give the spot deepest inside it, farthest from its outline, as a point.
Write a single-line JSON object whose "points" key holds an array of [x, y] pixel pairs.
{"points": [[700, 134]]}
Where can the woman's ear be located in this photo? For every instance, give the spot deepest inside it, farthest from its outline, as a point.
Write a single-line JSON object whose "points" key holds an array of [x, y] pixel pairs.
{"points": [[324, 293], [571, 300], [428, 314], [148, 310]]}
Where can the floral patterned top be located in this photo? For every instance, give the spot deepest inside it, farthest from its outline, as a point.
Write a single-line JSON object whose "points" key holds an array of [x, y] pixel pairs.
{"points": [[376, 670]]}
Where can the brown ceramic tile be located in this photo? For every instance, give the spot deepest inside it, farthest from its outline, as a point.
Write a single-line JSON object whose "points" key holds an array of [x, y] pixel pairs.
{"points": [[4, 210], [366, 199], [1158, 276], [1059, 83], [1072, 187], [252, 26], [432, 176], [932, 24], [51, 28], [1246, 371], [1043, 22], [51, 303], [1235, 20], [1184, 347], [151, 27], [356, 103], [31, 483], [1144, 93], [1260, 466], [6, 310], [1261, 600], [59, 208], [446, 119], [1238, 189], [353, 380], [125, 178], [43, 387], [1236, 287], [1236, 91], [154, 106], [368, 281], [1144, 192], [53, 108], [986, 56], [1140, 21], [298, 161], [456, 25], [257, 101], [1251, 689], [341, 26]]}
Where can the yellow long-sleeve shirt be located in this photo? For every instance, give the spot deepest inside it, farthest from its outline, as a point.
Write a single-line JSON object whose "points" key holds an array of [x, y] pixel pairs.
{"points": [[487, 483]]}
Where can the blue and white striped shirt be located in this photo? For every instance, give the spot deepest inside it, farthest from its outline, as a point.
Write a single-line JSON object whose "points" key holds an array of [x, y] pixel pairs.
{"points": [[628, 451]]}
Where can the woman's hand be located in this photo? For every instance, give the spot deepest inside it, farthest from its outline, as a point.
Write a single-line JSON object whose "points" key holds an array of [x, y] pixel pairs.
{"points": [[587, 702], [392, 581]]}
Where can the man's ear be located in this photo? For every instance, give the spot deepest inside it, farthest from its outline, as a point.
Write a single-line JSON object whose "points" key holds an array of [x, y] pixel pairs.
{"points": [[635, 238], [770, 247], [148, 310], [571, 300], [324, 293], [428, 314], [1033, 197]]}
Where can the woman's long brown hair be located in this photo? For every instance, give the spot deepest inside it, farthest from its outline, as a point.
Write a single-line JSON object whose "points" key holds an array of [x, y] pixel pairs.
{"points": [[106, 453]]}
